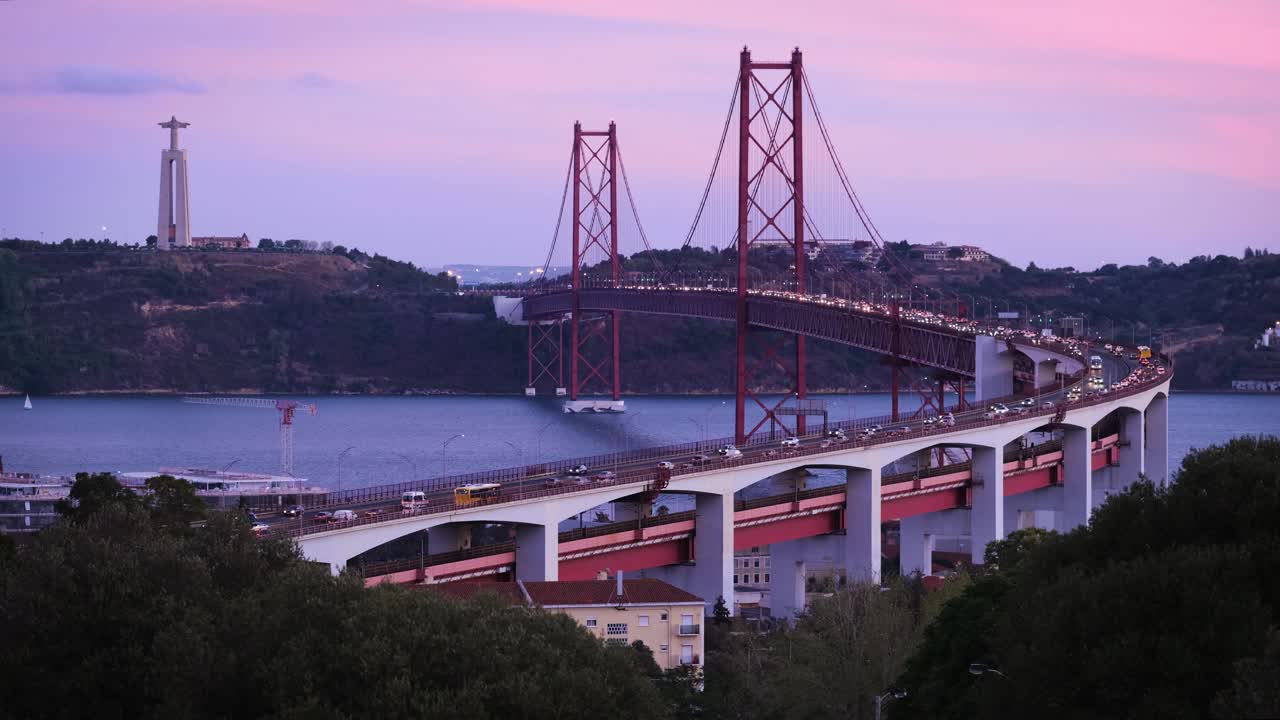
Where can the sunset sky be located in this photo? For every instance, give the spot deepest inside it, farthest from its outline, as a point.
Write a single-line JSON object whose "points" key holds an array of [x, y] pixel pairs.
{"points": [[438, 132]]}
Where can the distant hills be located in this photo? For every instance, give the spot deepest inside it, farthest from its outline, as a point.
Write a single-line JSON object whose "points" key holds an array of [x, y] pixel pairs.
{"points": [[95, 317]]}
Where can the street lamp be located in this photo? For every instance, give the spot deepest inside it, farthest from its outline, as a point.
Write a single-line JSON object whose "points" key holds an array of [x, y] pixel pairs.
{"points": [[444, 461], [340, 456], [983, 669], [892, 693], [544, 429], [706, 422], [519, 451], [413, 464]]}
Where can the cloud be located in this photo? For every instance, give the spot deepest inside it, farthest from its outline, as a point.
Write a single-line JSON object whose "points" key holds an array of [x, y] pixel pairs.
{"points": [[314, 80], [105, 81]]}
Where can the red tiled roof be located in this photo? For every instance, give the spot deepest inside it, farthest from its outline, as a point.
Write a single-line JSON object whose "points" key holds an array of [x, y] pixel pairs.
{"points": [[603, 592], [508, 592]]}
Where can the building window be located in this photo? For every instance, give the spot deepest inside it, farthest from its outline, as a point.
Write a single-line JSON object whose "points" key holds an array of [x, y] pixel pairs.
{"points": [[663, 617], [616, 642], [686, 654], [735, 579], [644, 621], [591, 622], [616, 629], [662, 648], [766, 577], [757, 578], [757, 562], [755, 549]]}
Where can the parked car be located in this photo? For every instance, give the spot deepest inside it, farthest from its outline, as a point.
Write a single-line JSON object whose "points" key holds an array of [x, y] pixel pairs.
{"points": [[293, 511]]}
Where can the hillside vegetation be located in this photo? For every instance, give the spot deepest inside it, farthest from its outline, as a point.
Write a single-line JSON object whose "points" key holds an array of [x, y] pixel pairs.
{"points": [[103, 318]]}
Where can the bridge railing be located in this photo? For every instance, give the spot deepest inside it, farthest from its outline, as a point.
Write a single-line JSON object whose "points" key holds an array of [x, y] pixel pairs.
{"points": [[970, 421]]}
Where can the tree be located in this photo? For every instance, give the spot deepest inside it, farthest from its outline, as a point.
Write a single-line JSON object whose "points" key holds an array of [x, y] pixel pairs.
{"points": [[173, 502], [720, 611], [1173, 588], [266, 244], [152, 241], [294, 244], [340, 250], [92, 493], [121, 617]]}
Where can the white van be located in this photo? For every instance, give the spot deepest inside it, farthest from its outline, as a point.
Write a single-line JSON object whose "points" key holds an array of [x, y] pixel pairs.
{"points": [[413, 500], [344, 515]]}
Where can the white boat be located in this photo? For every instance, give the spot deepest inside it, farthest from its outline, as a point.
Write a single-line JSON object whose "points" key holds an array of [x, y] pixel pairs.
{"points": [[26, 405]]}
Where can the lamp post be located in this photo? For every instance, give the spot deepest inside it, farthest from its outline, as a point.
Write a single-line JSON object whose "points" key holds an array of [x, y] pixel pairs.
{"points": [[519, 455], [340, 456], [706, 422], [413, 464], [444, 459], [892, 693], [544, 429]]}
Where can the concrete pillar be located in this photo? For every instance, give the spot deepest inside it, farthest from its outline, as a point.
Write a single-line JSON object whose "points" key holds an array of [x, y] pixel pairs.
{"points": [[993, 364], [537, 552], [444, 538], [1077, 486], [787, 578], [1046, 373], [1132, 461], [987, 519], [1157, 441], [915, 546], [713, 548], [862, 525]]}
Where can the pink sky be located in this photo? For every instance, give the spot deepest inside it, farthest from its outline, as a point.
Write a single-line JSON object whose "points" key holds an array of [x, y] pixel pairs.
{"points": [[438, 131]]}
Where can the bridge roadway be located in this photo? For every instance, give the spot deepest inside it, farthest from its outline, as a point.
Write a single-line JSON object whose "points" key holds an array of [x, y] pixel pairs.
{"points": [[658, 540], [855, 323], [537, 510]]}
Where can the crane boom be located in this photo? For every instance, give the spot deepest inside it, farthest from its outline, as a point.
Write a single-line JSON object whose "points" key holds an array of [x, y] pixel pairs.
{"points": [[285, 407]]}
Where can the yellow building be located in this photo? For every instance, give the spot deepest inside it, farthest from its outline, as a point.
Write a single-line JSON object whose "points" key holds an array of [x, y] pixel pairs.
{"points": [[665, 618]]}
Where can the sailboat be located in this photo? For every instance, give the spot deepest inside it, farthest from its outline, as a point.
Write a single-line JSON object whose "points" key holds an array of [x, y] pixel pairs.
{"points": [[26, 405]]}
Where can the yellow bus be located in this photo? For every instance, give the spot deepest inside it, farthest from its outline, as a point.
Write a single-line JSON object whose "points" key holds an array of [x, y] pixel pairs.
{"points": [[476, 494], [1144, 352]]}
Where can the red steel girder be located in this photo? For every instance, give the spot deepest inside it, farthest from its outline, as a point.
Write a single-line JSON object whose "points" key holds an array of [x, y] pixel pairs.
{"points": [[594, 169]]}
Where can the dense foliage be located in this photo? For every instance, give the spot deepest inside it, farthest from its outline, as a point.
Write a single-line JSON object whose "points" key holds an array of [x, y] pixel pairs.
{"points": [[119, 613], [1165, 606]]}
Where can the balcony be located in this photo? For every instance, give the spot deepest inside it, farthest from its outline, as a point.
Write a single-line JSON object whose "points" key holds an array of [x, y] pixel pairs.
{"points": [[687, 630]]}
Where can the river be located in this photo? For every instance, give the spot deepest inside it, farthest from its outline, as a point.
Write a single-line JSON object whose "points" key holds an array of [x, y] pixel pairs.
{"points": [[398, 438]]}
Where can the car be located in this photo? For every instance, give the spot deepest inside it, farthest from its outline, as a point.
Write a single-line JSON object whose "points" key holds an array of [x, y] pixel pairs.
{"points": [[990, 415], [293, 511], [1046, 405], [1021, 410], [771, 453], [552, 482], [344, 515], [837, 433], [666, 465], [791, 442], [1028, 402], [825, 444], [700, 459], [578, 470], [1000, 408], [904, 430], [604, 476], [373, 513], [931, 421], [948, 420], [1160, 370], [730, 452], [321, 517], [261, 529], [582, 481]]}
